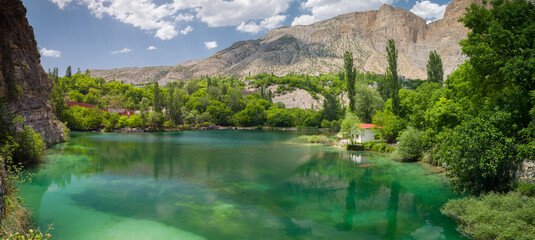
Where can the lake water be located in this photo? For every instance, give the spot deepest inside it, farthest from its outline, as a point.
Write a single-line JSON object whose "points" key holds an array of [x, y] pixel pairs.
{"points": [[231, 184]]}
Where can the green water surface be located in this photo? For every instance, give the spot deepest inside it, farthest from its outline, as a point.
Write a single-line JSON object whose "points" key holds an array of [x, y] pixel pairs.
{"points": [[232, 184]]}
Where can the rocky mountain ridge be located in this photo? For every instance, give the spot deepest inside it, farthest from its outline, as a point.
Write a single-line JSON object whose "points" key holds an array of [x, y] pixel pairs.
{"points": [[319, 48]]}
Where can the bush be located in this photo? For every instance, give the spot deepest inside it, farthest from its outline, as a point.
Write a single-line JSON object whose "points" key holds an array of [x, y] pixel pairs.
{"points": [[410, 145], [526, 188], [31, 146], [480, 157], [494, 216]]}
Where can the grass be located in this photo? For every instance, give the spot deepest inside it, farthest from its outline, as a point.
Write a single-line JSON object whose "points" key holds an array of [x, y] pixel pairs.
{"points": [[315, 139]]}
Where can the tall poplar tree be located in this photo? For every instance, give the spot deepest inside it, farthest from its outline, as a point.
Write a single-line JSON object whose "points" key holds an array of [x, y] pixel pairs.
{"points": [[392, 74], [68, 73], [435, 71], [350, 78], [156, 102]]}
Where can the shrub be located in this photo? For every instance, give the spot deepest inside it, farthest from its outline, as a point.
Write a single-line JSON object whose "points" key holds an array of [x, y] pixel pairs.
{"points": [[31, 146], [494, 216], [526, 188], [410, 145], [479, 156]]}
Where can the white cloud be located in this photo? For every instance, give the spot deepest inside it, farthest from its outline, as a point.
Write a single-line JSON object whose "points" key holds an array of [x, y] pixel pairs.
{"points": [[184, 17], [166, 32], [124, 50], [50, 53], [266, 24], [429, 10], [210, 45], [150, 48], [325, 9], [186, 30], [220, 13], [161, 19], [61, 3]]}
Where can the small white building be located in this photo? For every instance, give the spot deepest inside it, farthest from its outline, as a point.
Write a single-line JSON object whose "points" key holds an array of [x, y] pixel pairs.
{"points": [[365, 133]]}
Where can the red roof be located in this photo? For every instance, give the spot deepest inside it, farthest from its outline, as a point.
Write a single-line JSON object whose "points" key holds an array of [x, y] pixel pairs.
{"points": [[368, 125], [85, 105]]}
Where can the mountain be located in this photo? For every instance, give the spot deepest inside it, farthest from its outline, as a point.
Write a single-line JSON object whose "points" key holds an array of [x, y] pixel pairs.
{"points": [[319, 48], [24, 85]]}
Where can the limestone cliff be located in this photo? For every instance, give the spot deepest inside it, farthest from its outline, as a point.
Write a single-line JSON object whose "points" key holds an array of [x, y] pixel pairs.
{"points": [[24, 85], [319, 48]]}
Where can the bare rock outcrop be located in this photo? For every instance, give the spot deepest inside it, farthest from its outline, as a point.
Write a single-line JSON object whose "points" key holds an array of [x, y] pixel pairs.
{"points": [[24, 85], [319, 48]]}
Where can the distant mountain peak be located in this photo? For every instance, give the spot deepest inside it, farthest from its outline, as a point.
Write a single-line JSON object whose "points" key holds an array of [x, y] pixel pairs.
{"points": [[319, 48]]}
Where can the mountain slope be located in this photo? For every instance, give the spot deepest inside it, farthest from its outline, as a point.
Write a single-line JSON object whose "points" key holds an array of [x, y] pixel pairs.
{"points": [[319, 48]]}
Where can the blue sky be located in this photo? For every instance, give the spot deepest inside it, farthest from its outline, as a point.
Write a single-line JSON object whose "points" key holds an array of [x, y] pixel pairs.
{"points": [[105, 34]]}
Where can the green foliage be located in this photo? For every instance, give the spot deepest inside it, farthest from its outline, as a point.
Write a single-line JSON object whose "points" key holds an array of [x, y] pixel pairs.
{"points": [[479, 155], [252, 115], [31, 146], [331, 107], [410, 146], [526, 188], [367, 102], [494, 216], [348, 127], [391, 125], [321, 139], [32, 234], [500, 44], [435, 71], [392, 74], [350, 78], [280, 118]]}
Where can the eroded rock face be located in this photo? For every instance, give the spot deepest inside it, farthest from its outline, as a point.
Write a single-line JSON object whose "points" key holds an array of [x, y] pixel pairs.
{"points": [[23, 83], [319, 48]]}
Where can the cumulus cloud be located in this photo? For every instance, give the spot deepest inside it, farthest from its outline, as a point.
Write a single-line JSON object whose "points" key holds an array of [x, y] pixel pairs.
{"points": [[210, 45], [325, 9], [61, 3], [50, 53], [266, 24], [184, 17], [161, 19], [186, 30], [150, 48], [429, 10], [124, 50]]}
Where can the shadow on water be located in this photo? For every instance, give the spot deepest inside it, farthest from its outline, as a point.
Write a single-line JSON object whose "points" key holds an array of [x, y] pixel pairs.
{"points": [[239, 184]]}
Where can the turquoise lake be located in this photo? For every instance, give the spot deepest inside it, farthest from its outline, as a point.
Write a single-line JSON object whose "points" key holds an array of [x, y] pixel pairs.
{"points": [[232, 184]]}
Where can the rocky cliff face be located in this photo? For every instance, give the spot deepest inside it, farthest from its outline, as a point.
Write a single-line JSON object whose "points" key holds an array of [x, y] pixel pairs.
{"points": [[23, 83], [319, 48]]}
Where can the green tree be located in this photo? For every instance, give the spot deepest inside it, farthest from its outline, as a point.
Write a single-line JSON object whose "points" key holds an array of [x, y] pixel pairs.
{"points": [[68, 72], [156, 100], [280, 118], [479, 155], [410, 146], [392, 74], [435, 71], [367, 102], [350, 75], [331, 107]]}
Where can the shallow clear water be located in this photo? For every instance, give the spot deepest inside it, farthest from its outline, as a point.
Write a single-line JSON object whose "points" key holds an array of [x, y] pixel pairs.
{"points": [[232, 184]]}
